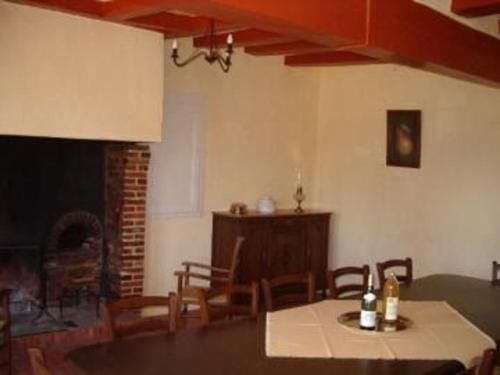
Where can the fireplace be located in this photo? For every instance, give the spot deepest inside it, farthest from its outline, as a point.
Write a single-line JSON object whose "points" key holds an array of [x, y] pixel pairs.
{"points": [[72, 219]]}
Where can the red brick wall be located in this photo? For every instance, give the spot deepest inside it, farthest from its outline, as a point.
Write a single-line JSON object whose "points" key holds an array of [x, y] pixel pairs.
{"points": [[126, 185]]}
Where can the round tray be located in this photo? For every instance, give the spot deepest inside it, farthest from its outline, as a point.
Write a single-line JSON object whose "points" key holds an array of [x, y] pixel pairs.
{"points": [[351, 320]]}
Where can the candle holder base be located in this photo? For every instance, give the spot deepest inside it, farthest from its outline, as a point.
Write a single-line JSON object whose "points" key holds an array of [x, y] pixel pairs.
{"points": [[299, 197]]}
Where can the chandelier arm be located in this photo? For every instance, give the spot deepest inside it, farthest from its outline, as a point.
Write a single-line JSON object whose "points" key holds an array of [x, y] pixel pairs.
{"points": [[193, 57], [225, 65]]}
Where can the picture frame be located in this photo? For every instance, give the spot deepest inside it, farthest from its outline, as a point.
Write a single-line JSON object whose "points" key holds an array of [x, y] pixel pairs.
{"points": [[403, 138]]}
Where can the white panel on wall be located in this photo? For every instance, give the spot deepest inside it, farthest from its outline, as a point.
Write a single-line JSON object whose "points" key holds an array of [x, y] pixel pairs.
{"points": [[176, 164]]}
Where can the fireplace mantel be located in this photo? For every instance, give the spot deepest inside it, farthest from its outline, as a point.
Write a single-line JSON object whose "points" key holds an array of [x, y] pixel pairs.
{"points": [[66, 76]]}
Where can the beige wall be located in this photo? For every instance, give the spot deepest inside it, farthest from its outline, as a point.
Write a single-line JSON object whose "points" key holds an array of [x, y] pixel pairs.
{"points": [[445, 214], [74, 77], [260, 128], [265, 119]]}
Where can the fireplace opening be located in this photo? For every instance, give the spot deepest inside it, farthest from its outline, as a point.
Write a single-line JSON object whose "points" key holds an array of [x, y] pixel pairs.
{"points": [[72, 226], [52, 206]]}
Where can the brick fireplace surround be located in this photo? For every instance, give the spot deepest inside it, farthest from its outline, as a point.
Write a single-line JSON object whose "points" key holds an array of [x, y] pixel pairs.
{"points": [[125, 215]]}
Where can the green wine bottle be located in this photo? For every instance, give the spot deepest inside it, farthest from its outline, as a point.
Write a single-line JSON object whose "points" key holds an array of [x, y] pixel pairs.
{"points": [[368, 315]]}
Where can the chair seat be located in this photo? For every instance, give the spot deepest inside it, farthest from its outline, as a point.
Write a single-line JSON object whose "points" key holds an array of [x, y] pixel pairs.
{"points": [[190, 295]]}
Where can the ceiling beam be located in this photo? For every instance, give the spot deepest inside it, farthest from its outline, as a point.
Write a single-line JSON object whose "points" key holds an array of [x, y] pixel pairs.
{"points": [[174, 25], [86, 8], [122, 10], [475, 8], [166, 22], [285, 48], [328, 23], [243, 38], [414, 34], [330, 58], [402, 31]]}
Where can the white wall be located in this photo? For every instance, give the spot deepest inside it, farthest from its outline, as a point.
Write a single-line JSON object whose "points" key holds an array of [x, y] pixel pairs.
{"points": [[75, 77], [445, 214]]}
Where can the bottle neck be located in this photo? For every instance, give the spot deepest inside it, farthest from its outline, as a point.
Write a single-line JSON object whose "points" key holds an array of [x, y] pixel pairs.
{"points": [[370, 284]]}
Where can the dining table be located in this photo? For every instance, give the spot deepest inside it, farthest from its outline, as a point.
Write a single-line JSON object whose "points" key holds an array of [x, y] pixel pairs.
{"points": [[238, 346]]}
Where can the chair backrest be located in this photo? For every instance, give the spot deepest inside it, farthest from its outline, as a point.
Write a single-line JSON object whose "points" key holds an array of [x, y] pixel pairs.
{"points": [[487, 364], [38, 362], [403, 279], [288, 290], [126, 317], [5, 344], [235, 259], [212, 307], [336, 290], [495, 280]]}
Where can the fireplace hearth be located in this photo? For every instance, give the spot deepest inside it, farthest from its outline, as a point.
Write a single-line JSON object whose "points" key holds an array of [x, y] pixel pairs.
{"points": [[72, 228]]}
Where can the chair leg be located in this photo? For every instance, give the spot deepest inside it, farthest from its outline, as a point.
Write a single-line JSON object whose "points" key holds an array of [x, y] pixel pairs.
{"points": [[61, 307]]}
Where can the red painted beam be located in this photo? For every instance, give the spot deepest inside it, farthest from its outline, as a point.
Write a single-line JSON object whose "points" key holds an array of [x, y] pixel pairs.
{"points": [[175, 25], [329, 58], [414, 34], [285, 48], [122, 10], [166, 22], [294, 18], [243, 38], [84, 7], [475, 8], [402, 31]]}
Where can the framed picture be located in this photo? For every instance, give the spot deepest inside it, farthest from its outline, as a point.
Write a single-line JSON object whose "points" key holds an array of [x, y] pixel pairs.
{"points": [[403, 138]]}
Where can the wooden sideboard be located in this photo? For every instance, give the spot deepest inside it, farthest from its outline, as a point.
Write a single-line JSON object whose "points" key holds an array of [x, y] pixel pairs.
{"points": [[275, 244]]}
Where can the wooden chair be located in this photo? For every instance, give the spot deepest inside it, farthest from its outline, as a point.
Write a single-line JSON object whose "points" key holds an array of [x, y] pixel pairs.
{"points": [[495, 280], [128, 316], [213, 311], [5, 339], [487, 364], [403, 279], [288, 290], [37, 361], [336, 290], [188, 293]]}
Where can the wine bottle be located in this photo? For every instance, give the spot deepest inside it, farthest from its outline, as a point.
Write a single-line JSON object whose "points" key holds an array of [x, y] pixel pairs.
{"points": [[368, 315], [390, 299]]}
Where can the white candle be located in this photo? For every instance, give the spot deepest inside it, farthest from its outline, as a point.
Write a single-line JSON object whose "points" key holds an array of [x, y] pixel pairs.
{"points": [[174, 44], [299, 178], [230, 39]]}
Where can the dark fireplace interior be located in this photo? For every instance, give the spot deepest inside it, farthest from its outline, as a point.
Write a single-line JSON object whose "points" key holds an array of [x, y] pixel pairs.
{"points": [[52, 207]]}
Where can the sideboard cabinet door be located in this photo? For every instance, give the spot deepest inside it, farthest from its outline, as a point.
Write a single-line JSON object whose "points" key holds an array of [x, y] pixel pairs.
{"points": [[281, 243]]}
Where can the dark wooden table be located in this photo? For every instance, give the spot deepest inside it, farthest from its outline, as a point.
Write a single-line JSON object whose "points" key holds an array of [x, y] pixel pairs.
{"points": [[238, 347]]}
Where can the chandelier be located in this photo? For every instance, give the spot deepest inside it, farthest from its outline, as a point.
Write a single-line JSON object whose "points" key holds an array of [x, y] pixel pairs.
{"points": [[223, 58]]}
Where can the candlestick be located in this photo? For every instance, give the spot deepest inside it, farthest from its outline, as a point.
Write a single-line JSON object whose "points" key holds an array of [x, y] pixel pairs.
{"points": [[299, 197]]}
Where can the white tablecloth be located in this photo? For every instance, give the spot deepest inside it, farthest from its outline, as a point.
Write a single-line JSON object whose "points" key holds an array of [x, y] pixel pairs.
{"points": [[439, 332]]}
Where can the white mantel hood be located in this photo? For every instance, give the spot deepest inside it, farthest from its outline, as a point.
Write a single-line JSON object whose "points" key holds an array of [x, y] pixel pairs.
{"points": [[73, 77]]}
